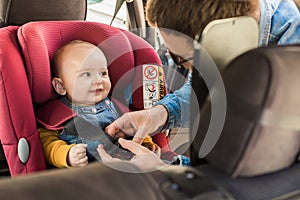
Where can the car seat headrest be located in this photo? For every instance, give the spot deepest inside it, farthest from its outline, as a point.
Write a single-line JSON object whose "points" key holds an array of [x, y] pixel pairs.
{"points": [[40, 40], [261, 133], [18, 12]]}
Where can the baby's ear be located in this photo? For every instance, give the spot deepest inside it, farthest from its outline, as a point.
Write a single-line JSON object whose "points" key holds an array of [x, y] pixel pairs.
{"points": [[58, 86]]}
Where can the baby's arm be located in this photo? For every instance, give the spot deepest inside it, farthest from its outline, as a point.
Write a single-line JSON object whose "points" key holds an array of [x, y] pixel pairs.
{"points": [[56, 150]]}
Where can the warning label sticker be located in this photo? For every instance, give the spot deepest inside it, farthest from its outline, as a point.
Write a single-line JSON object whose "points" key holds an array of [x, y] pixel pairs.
{"points": [[150, 85]]}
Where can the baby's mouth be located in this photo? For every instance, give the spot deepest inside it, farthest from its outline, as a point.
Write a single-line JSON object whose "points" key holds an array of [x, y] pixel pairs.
{"points": [[96, 90]]}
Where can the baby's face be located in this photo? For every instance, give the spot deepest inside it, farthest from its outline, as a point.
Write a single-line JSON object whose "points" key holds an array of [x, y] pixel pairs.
{"points": [[85, 76]]}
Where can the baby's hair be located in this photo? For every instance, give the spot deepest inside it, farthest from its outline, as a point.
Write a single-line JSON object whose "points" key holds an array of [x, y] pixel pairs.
{"points": [[55, 63]]}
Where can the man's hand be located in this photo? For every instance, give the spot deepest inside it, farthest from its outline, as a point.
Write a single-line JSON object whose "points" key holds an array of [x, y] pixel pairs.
{"points": [[77, 156], [144, 158], [139, 123]]}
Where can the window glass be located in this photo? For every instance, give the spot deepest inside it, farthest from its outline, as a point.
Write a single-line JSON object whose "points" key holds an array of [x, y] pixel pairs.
{"points": [[103, 11]]}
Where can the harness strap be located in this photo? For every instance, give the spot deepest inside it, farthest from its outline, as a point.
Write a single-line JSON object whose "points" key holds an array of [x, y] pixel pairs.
{"points": [[80, 127], [131, 12], [54, 114], [119, 4]]}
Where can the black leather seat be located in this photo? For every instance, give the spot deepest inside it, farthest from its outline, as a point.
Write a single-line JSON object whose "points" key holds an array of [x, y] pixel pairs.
{"points": [[18, 12], [255, 156]]}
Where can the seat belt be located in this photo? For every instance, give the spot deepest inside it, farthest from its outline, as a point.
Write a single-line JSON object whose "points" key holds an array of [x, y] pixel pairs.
{"points": [[136, 21], [80, 127], [119, 4], [60, 117], [131, 13]]}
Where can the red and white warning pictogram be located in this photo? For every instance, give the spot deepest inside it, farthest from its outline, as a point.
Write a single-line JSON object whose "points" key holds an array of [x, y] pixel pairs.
{"points": [[150, 72], [150, 85]]}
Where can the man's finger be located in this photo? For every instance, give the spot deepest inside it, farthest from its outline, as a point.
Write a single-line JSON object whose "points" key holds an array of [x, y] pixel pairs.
{"points": [[112, 129], [104, 155], [120, 134], [139, 136], [137, 140], [133, 146]]}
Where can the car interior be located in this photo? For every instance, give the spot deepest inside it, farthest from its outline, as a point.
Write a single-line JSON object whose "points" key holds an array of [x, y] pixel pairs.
{"points": [[256, 155]]}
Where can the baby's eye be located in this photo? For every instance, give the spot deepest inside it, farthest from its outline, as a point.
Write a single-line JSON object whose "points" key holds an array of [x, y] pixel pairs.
{"points": [[103, 73], [86, 74]]}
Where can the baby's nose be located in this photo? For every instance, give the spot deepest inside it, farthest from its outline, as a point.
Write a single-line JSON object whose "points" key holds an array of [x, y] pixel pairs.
{"points": [[98, 80]]}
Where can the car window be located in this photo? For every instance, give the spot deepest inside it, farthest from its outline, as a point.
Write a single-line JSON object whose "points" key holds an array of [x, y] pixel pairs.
{"points": [[103, 11]]}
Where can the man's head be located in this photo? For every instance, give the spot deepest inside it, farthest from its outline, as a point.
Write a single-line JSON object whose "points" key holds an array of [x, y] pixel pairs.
{"points": [[191, 16], [80, 72], [182, 20]]}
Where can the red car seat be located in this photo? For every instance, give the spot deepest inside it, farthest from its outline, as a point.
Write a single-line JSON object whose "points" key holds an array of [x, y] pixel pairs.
{"points": [[17, 124], [12, 13], [126, 54]]}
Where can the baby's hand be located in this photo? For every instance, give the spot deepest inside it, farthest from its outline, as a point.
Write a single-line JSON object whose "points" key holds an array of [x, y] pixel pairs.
{"points": [[153, 147], [77, 156]]}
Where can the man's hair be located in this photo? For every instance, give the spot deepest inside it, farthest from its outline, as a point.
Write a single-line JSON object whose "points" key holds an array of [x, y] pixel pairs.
{"points": [[191, 16], [55, 62]]}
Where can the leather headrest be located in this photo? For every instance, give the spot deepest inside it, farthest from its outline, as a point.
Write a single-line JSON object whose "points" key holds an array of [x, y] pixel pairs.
{"points": [[261, 133], [18, 12]]}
